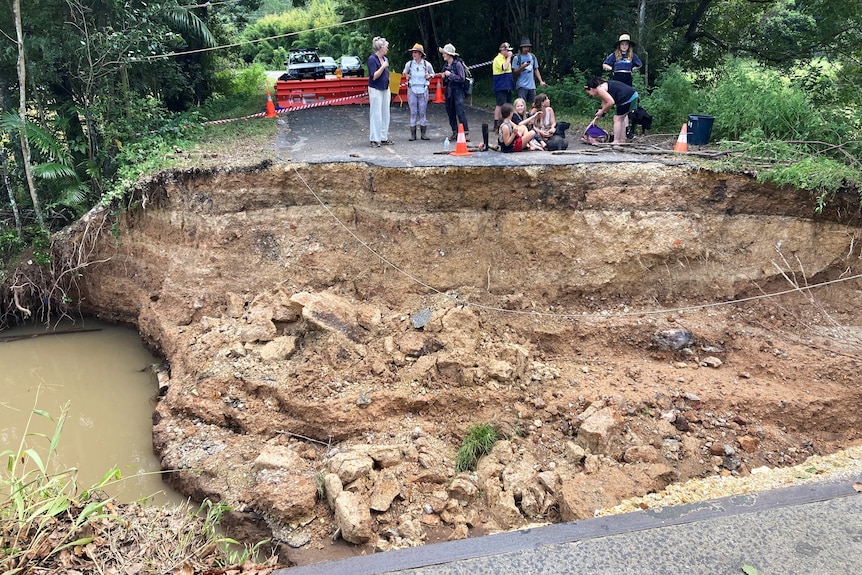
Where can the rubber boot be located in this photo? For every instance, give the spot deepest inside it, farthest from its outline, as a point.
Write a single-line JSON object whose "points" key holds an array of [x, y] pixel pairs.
{"points": [[413, 133], [422, 131], [484, 137]]}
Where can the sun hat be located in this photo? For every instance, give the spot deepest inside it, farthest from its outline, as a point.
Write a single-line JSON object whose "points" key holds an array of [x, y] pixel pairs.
{"points": [[448, 49], [417, 47], [625, 38], [525, 42], [505, 46]]}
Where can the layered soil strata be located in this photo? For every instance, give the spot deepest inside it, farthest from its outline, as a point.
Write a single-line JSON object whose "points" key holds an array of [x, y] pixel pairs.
{"points": [[332, 332]]}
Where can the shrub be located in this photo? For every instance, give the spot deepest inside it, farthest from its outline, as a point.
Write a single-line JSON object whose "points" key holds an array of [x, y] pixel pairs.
{"points": [[569, 94], [751, 102], [672, 101]]}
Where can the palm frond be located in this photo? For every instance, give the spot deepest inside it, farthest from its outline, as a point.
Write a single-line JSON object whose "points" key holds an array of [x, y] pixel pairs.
{"points": [[40, 138], [185, 21], [54, 171], [74, 196]]}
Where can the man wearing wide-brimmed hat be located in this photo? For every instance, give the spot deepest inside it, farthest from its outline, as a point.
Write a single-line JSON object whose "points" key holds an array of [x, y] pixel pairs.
{"points": [[525, 69], [623, 60], [454, 77], [418, 73]]}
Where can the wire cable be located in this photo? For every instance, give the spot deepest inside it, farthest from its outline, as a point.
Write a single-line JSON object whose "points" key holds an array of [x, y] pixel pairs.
{"points": [[327, 26]]}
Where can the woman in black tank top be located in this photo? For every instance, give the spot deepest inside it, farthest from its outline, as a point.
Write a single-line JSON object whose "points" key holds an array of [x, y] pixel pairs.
{"points": [[613, 94]]}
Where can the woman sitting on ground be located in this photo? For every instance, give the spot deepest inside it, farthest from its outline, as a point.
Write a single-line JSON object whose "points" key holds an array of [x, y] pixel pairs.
{"points": [[508, 136], [524, 125], [546, 122]]}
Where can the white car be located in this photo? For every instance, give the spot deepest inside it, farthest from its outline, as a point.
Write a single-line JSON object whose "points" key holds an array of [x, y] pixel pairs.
{"points": [[329, 64]]}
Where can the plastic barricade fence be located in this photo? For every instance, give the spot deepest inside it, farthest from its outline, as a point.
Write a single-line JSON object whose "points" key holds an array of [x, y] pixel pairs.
{"points": [[335, 92]]}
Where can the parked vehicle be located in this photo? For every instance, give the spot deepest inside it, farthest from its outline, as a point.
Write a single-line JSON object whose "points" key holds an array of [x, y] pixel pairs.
{"points": [[351, 66], [329, 64], [303, 64]]}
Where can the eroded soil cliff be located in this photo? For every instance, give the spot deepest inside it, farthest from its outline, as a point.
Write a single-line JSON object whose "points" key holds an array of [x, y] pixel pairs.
{"points": [[332, 332]]}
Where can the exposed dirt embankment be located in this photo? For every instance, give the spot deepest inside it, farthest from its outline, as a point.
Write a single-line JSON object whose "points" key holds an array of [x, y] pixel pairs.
{"points": [[333, 331]]}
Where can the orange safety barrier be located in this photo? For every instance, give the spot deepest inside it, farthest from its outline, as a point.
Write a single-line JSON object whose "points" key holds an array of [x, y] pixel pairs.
{"points": [[333, 91]]}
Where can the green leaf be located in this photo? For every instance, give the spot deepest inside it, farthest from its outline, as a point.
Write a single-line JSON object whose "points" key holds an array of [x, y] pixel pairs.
{"points": [[59, 428], [749, 570], [89, 509], [32, 454]]}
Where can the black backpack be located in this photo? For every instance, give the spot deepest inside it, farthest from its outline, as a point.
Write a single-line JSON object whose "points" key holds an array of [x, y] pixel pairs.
{"points": [[468, 78]]}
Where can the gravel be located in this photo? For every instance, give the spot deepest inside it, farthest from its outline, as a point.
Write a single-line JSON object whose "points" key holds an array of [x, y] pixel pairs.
{"points": [[815, 468]]}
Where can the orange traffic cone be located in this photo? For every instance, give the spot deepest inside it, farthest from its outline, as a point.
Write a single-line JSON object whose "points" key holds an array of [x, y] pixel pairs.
{"points": [[682, 142], [270, 107], [461, 144], [438, 95]]}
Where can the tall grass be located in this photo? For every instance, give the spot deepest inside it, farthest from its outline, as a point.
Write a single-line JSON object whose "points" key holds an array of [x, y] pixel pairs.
{"points": [[46, 522], [35, 496]]}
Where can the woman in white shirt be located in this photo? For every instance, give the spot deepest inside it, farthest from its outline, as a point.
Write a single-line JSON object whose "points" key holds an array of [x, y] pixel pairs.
{"points": [[417, 72]]}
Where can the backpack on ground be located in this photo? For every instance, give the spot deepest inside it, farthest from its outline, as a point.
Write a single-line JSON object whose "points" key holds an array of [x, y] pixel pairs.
{"points": [[594, 135]]}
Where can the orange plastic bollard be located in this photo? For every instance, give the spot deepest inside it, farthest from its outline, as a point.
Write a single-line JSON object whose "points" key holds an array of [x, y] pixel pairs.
{"points": [[461, 144], [438, 95], [270, 107], [682, 141]]}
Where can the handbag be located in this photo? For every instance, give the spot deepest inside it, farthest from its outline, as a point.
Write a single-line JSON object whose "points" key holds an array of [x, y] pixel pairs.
{"points": [[594, 135]]}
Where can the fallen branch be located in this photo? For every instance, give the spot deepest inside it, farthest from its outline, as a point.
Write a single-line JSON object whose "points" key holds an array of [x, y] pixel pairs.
{"points": [[8, 338]]}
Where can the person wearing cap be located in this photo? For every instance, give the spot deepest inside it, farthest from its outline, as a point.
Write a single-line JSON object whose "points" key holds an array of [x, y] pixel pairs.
{"points": [[623, 60], [378, 93], [454, 77], [501, 70], [525, 69], [418, 73]]}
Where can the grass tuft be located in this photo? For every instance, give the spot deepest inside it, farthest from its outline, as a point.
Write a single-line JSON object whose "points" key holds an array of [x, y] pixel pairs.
{"points": [[479, 441]]}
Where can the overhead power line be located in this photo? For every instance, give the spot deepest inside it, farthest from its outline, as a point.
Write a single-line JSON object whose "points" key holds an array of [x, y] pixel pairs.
{"points": [[234, 45]]}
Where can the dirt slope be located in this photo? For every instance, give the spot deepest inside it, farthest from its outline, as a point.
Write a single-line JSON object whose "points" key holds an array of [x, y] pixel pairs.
{"points": [[332, 332]]}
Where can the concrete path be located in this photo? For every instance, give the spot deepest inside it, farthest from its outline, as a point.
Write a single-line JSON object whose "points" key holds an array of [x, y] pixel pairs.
{"points": [[813, 529], [340, 134]]}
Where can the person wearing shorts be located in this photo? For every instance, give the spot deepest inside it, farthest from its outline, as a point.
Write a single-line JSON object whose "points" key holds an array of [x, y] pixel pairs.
{"points": [[613, 94], [511, 137], [504, 83]]}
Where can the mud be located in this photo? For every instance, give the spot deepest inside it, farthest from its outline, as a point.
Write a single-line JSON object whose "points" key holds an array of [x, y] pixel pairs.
{"points": [[289, 302]]}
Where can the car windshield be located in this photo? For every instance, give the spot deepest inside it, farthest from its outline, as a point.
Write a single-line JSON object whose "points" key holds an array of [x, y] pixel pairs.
{"points": [[303, 58], [349, 60]]}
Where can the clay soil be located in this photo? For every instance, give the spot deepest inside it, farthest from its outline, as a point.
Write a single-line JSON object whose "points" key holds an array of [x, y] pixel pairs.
{"points": [[314, 315]]}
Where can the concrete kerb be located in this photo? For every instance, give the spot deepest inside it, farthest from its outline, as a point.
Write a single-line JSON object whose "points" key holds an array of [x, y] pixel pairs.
{"points": [[807, 504]]}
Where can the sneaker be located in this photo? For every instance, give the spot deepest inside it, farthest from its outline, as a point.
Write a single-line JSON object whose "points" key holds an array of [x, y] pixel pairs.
{"points": [[387, 142], [375, 144]]}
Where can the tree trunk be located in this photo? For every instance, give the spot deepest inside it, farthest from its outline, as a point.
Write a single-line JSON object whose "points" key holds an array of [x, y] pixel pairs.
{"points": [[4, 168], [644, 53], [22, 111]]}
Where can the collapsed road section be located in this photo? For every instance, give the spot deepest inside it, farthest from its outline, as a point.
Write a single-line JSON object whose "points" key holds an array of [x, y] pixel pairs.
{"points": [[333, 332]]}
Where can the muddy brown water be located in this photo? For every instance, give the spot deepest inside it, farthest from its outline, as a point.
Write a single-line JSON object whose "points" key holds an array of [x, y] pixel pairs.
{"points": [[98, 373]]}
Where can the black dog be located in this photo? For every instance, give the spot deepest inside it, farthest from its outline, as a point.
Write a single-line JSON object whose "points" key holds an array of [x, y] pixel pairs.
{"points": [[558, 140], [640, 117]]}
